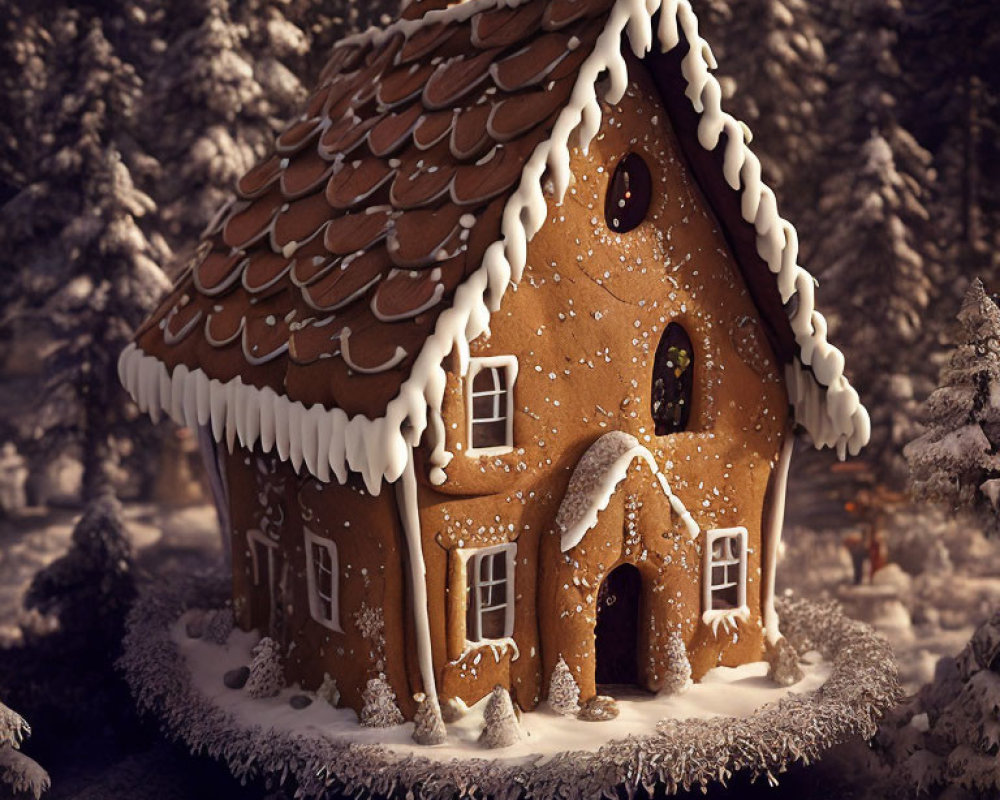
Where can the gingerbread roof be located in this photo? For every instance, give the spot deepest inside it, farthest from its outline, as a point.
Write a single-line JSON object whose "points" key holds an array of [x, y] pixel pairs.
{"points": [[394, 212]]}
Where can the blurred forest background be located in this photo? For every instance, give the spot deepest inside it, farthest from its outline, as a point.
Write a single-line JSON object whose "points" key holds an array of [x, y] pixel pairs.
{"points": [[123, 127]]}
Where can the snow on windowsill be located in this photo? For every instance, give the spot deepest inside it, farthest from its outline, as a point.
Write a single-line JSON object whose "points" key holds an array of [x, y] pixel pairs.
{"points": [[727, 618], [723, 691]]}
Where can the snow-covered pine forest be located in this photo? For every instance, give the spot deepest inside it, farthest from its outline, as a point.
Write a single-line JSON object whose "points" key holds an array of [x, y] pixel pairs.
{"points": [[123, 126]]}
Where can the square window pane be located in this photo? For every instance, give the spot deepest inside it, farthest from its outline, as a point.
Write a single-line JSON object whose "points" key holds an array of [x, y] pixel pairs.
{"points": [[489, 434], [497, 595], [494, 624], [483, 407], [725, 598], [485, 568], [485, 380]]}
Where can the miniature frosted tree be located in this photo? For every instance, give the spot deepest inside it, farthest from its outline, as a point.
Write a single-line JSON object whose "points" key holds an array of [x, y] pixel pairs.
{"points": [[783, 663], [679, 668], [428, 725], [328, 690], [267, 677], [380, 709], [219, 625], [564, 694], [501, 728], [955, 462]]}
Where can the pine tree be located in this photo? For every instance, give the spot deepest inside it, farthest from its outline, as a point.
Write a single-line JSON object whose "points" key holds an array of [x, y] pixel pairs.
{"points": [[564, 693], [267, 677], [22, 775], [679, 668], [428, 725], [128, 123], [956, 111], [772, 65], [876, 239], [501, 728], [952, 750], [379, 709], [955, 461], [877, 259], [84, 271], [91, 588], [13, 727]]}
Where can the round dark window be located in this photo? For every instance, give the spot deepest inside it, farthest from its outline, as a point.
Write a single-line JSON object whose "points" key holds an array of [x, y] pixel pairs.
{"points": [[629, 194]]}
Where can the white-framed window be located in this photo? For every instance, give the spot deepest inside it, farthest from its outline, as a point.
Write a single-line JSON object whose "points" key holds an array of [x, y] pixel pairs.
{"points": [[261, 557], [322, 580], [725, 580], [490, 405], [489, 581]]}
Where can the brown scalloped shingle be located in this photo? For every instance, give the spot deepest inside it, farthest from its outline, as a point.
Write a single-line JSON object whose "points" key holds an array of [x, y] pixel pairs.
{"points": [[327, 275]]}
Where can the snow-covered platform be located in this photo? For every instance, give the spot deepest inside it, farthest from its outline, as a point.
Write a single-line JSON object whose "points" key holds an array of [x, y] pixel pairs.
{"points": [[735, 719]]}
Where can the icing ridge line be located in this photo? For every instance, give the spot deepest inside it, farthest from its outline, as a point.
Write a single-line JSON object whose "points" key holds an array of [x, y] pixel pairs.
{"points": [[606, 464], [327, 441]]}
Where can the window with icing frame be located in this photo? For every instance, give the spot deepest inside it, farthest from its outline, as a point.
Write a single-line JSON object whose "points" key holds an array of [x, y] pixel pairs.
{"points": [[490, 405], [489, 582], [322, 580], [725, 578]]}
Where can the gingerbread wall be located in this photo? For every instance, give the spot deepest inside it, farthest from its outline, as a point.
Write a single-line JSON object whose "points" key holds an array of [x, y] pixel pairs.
{"points": [[267, 495], [584, 322]]}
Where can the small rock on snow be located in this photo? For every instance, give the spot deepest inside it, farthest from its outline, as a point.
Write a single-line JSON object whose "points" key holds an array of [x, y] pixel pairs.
{"points": [[236, 678]]}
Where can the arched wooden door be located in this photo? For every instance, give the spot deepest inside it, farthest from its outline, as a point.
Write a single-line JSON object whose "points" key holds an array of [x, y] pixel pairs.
{"points": [[617, 630]]}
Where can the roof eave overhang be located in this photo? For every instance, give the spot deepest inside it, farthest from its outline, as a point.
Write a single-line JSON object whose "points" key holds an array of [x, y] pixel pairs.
{"points": [[330, 444]]}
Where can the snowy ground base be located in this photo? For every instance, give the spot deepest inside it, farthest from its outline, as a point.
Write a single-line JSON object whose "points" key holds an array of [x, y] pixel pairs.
{"points": [[722, 692], [734, 720]]}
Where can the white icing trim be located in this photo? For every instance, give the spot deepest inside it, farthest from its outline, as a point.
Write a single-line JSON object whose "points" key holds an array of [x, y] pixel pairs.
{"points": [[772, 530], [832, 413], [476, 554], [727, 618], [498, 647], [724, 616], [317, 609], [575, 518], [345, 353], [477, 365], [215, 468], [256, 537], [409, 513]]}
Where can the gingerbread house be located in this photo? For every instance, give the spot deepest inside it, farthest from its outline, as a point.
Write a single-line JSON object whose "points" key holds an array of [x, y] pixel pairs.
{"points": [[497, 360]]}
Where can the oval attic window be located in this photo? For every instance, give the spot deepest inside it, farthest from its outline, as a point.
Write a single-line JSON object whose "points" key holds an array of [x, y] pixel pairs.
{"points": [[629, 194]]}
